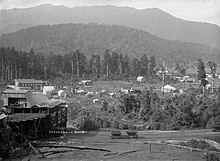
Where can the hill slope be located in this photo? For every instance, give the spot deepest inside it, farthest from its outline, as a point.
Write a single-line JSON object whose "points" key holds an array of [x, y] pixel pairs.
{"points": [[154, 21], [95, 39]]}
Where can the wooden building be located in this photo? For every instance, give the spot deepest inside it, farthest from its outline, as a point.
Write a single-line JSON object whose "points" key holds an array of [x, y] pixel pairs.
{"points": [[29, 84], [59, 86], [33, 114]]}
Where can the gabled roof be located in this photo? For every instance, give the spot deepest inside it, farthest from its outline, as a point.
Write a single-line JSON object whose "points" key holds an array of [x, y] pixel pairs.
{"points": [[30, 81], [11, 91]]}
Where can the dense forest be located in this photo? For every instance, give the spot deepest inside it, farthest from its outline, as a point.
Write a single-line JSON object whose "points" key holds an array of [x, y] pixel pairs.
{"points": [[152, 20], [93, 39], [20, 64]]}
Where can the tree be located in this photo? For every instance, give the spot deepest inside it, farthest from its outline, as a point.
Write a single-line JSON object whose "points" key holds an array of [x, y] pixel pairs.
{"points": [[107, 62], [181, 69], [136, 67], [115, 63], [144, 65], [213, 66], [126, 65], [201, 75], [120, 64], [152, 65]]}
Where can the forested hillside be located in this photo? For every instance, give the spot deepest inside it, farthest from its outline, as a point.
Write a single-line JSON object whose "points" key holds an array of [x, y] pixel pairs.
{"points": [[95, 39], [154, 21]]}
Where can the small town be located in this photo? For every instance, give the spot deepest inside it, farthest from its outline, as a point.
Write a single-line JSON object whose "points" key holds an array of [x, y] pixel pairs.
{"points": [[109, 80]]}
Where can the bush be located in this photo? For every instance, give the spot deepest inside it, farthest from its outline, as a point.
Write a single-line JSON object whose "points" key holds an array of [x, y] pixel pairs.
{"points": [[88, 125], [192, 143]]}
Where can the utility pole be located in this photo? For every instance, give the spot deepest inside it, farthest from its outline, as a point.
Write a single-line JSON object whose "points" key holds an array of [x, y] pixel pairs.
{"points": [[163, 73]]}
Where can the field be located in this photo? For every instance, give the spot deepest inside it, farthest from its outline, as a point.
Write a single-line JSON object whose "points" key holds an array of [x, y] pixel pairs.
{"points": [[125, 149]]}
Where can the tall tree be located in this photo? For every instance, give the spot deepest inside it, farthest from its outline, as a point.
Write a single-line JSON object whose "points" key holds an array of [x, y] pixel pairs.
{"points": [[136, 67], [144, 64], [107, 63], [115, 63], [120, 64], [126, 65], [201, 75], [152, 65], [213, 66]]}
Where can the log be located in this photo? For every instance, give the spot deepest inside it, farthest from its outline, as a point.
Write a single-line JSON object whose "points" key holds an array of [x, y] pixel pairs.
{"points": [[132, 151], [73, 147]]}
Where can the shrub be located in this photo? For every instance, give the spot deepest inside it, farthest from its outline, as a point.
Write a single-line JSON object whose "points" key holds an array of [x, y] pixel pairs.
{"points": [[192, 143], [88, 125]]}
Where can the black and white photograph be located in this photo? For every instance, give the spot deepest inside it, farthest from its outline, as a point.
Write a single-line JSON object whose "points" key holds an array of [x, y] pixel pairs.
{"points": [[109, 80]]}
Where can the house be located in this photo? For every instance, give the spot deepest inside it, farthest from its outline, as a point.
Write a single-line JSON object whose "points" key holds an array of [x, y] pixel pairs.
{"points": [[59, 85], [140, 78], [34, 113], [48, 90], [168, 88], [29, 84]]}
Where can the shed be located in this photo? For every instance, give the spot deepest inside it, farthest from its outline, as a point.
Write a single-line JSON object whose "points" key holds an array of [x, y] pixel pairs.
{"points": [[140, 78], [168, 88]]}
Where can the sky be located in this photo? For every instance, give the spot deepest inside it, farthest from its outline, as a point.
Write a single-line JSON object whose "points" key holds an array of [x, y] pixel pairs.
{"points": [[193, 10]]}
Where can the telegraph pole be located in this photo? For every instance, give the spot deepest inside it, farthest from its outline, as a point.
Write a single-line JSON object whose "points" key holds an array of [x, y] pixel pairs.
{"points": [[163, 73]]}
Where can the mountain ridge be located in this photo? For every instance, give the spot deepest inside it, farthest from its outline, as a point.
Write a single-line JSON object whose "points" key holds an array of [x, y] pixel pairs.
{"points": [[95, 39], [153, 20]]}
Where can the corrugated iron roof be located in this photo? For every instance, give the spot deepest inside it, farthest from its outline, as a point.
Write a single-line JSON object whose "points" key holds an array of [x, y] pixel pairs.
{"points": [[11, 91], [30, 81]]}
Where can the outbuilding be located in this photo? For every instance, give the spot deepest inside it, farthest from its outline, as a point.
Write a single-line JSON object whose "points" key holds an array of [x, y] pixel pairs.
{"points": [[140, 78], [168, 88]]}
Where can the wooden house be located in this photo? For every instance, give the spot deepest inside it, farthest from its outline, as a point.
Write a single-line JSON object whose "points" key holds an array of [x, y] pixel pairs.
{"points": [[59, 86], [29, 84], [33, 113]]}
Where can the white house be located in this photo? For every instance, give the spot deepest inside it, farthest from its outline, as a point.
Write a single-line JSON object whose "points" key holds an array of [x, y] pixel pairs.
{"points": [[168, 88], [140, 78], [48, 90]]}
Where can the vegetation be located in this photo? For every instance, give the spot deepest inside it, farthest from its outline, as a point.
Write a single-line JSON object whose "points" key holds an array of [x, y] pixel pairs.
{"points": [[93, 39], [19, 64], [149, 110]]}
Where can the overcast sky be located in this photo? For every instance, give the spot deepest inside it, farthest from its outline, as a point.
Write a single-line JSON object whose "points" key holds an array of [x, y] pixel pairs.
{"points": [[195, 10]]}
